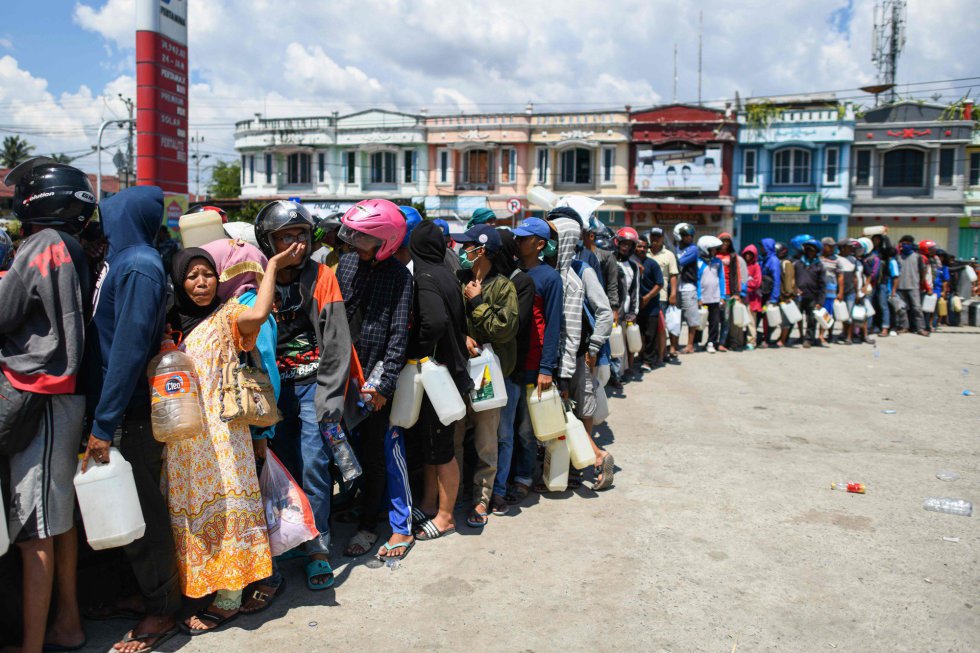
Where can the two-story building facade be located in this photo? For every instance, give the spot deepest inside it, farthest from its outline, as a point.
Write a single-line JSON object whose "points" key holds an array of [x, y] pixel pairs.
{"points": [[680, 167], [908, 172], [969, 232], [332, 162], [791, 169]]}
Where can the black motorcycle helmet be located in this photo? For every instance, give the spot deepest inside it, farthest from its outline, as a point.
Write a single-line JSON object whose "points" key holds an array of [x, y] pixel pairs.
{"points": [[781, 250], [326, 225], [51, 194], [279, 215]]}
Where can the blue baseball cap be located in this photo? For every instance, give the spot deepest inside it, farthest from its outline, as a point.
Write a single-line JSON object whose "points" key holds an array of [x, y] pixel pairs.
{"points": [[533, 227], [482, 235]]}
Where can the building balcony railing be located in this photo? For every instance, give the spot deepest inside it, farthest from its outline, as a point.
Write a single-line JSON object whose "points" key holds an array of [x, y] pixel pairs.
{"points": [[487, 183]]}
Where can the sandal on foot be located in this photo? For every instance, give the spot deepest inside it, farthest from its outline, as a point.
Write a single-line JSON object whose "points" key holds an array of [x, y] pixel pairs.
{"points": [[363, 541], [316, 568], [429, 531], [477, 519], [419, 516], [604, 473], [575, 479], [161, 638], [517, 493], [405, 546], [499, 506], [264, 599], [206, 616]]}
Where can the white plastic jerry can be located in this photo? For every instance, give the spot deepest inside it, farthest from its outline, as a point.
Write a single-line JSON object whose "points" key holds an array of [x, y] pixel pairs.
{"points": [[633, 339], [740, 314], [406, 404], [841, 314], [703, 318], [869, 309], [791, 311], [554, 473], [824, 318], [579, 448], [547, 413], [108, 502], [441, 390], [601, 406], [773, 315], [488, 381], [198, 229], [929, 303], [617, 345], [858, 314], [603, 373]]}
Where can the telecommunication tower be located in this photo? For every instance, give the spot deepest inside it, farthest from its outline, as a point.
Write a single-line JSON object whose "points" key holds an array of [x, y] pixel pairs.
{"points": [[888, 40]]}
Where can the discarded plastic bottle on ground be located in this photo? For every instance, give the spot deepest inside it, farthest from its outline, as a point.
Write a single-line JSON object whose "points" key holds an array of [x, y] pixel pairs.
{"points": [[856, 488], [343, 453], [876, 352], [949, 506], [372, 382]]}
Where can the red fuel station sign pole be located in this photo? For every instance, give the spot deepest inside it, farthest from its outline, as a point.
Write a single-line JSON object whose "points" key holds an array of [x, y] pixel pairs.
{"points": [[161, 94]]}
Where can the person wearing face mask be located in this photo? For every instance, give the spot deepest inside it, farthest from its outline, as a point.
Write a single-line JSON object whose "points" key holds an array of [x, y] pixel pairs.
{"points": [[212, 485], [626, 240], [809, 274], [911, 274], [492, 316]]}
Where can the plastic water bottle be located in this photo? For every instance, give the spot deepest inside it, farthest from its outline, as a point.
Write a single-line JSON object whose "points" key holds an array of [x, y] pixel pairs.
{"points": [[175, 412], [373, 381], [949, 506], [855, 488], [343, 453], [876, 352]]}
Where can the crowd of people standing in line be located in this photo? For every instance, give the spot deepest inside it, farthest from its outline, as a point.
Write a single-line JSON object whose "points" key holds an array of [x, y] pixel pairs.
{"points": [[335, 308]]}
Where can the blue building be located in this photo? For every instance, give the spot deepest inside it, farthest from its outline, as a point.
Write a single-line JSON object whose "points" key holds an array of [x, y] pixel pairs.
{"points": [[791, 169]]}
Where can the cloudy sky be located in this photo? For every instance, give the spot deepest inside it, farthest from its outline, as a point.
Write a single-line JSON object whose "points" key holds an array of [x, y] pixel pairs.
{"points": [[64, 63]]}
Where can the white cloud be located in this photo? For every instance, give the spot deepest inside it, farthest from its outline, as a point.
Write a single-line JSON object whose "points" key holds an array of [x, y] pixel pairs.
{"points": [[6, 43], [115, 20]]}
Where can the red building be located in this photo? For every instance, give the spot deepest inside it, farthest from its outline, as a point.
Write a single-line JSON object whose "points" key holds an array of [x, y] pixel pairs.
{"points": [[681, 167]]}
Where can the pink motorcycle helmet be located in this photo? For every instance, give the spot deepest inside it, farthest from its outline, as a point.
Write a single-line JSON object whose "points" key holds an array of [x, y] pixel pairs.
{"points": [[374, 223]]}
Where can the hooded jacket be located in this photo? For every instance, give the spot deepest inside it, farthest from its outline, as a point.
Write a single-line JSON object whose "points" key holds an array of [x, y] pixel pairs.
{"points": [[440, 319], [771, 268], [42, 314], [754, 281], [130, 300]]}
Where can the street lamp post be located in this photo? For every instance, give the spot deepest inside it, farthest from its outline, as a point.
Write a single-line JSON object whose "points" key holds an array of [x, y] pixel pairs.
{"points": [[98, 153]]}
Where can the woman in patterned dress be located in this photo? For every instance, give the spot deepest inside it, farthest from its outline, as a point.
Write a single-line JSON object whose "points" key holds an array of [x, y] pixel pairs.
{"points": [[216, 511]]}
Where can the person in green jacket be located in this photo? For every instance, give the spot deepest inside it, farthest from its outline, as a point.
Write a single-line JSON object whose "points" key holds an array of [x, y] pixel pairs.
{"points": [[491, 318]]}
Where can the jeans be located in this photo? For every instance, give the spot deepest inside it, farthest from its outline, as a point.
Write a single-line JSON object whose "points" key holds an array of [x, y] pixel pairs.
{"points": [[807, 304], [505, 436], [527, 444], [306, 455], [881, 305]]}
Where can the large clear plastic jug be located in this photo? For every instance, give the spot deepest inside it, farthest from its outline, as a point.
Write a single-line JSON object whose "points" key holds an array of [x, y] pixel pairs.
{"points": [[442, 392], [547, 413], [929, 303], [488, 381], [791, 311], [841, 314], [617, 345], [108, 502], [601, 405], [407, 402], [175, 411], [603, 373], [555, 470], [773, 315], [198, 229], [579, 445], [633, 339], [4, 535]]}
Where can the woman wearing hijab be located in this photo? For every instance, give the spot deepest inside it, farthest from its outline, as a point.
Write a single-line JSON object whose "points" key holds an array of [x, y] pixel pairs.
{"points": [[216, 512]]}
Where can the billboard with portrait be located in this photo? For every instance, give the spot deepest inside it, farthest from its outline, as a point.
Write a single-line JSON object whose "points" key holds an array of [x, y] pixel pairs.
{"points": [[687, 170]]}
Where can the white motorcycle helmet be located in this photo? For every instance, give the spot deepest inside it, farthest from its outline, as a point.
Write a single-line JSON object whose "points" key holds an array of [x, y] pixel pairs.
{"points": [[707, 243]]}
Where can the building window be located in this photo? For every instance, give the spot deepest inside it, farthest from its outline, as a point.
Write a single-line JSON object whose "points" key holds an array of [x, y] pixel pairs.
{"points": [[508, 166], [975, 168], [443, 166], [576, 166], [268, 168], [946, 166], [904, 168], [410, 166], [792, 167], [862, 162], [321, 160], [476, 167], [608, 164], [298, 168], [542, 165], [833, 164], [383, 168], [251, 169], [350, 167], [243, 168], [748, 166]]}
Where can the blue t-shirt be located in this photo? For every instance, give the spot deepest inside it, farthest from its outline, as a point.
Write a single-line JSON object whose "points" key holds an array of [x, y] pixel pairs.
{"points": [[893, 272], [652, 276]]}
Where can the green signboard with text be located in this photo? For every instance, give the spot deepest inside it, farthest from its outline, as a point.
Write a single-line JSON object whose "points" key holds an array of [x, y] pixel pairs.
{"points": [[789, 203]]}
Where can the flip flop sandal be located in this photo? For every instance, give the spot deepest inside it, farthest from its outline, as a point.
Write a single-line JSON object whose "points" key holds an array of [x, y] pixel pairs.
{"points": [[316, 568], [391, 547], [419, 517], [477, 520], [60, 648], [364, 540], [206, 616], [575, 480], [429, 531], [606, 470], [292, 554], [517, 493], [161, 639], [264, 598]]}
